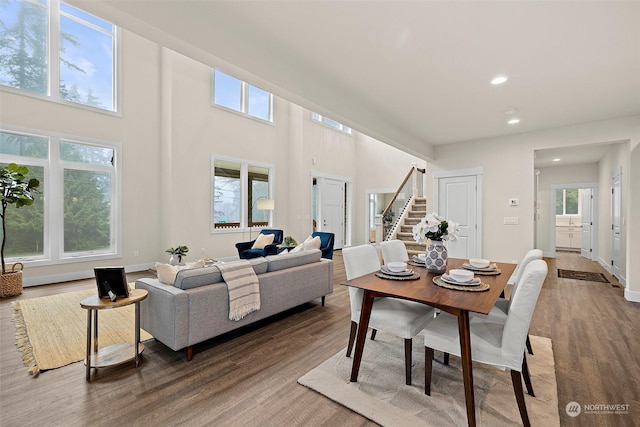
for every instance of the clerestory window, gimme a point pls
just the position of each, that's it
(237, 95)
(51, 49)
(331, 123)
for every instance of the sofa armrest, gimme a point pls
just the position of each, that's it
(165, 313)
(244, 246)
(271, 249)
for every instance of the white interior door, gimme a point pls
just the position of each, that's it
(615, 228)
(587, 223)
(331, 216)
(458, 202)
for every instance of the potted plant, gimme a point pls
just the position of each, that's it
(289, 242)
(16, 190)
(176, 254)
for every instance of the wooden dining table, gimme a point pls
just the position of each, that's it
(423, 290)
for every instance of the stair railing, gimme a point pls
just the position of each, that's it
(396, 210)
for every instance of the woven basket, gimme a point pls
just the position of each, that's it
(11, 282)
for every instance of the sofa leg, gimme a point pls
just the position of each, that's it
(189, 353)
(323, 300)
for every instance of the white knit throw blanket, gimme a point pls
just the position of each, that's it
(243, 286)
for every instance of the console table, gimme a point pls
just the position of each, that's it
(117, 353)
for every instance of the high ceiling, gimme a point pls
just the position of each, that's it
(414, 74)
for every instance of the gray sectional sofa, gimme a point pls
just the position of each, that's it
(196, 307)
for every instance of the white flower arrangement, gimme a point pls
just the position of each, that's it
(435, 227)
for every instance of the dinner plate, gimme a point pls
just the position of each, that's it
(418, 260)
(385, 270)
(473, 282)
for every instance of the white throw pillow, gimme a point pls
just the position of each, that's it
(284, 252)
(167, 272)
(263, 240)
(312, 243)
(298, 248)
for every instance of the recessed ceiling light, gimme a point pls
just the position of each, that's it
(555, 160)
(513, 121)
(498, 80)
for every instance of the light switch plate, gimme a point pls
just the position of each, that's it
(511, 220)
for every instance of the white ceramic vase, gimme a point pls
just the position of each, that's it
(436, 261)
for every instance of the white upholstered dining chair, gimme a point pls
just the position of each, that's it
(498, 344)
(404, 319)
(394, 250)
(499, 312)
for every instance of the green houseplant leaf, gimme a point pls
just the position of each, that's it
(16, 190)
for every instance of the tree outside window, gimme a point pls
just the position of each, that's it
(83, 53)
(237, 187)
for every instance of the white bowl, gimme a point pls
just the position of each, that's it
(479, 262)
(461, 275)
(397, 267)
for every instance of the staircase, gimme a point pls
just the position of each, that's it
(417, 211)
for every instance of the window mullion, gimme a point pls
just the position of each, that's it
(244, 95)
(54, 48)
(244, 195)
(54, 221)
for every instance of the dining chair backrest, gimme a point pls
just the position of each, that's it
(531, 255)
(394, 250)
(523, 303)
(358, 261)
(528, 257)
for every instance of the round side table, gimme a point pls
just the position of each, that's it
(117, 353)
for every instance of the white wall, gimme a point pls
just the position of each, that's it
(508, 165)
(617, 158)
(138, 132)
(632, 291)
(169, 130)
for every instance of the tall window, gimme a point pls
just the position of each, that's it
(331, 123)
(568, 201)
(81, 52)
(232, 93)
(237, 188)
(74, 214)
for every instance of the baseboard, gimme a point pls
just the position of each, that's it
(633, 296)
(604, 264)
(77, 275)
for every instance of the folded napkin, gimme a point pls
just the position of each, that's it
(385, 270)
(473, 282)
(492, 267)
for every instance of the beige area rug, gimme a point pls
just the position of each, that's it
(51, 331)
(382, 396)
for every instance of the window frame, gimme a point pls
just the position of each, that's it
(53, 190)
(326, 121)
(245, 223)
(53, 65)
(244, 98)
(564, 202)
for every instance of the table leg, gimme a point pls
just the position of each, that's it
(137, 308)
(467, 370)
(365, 314)
(95, 331)
(88, 360)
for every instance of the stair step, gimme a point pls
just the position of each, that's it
(411, 221)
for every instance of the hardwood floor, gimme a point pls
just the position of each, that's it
(249, 377)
